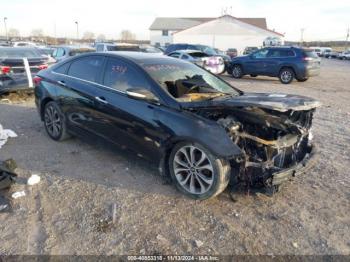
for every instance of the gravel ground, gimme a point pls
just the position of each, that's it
(70, 210)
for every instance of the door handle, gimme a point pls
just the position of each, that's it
(101, 100)
(61, 83)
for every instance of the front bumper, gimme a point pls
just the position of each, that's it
(303, 166)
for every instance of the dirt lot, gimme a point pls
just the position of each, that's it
(70, 211)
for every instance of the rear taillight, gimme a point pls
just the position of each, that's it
(41, 67)
(37, 80)
(307, 58)
(5, 69)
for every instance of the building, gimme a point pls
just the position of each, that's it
(223, 32)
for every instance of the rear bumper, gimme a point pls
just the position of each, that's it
(313, 71)
(14, 83)
(307, 163)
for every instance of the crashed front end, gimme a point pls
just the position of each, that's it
(276, 143)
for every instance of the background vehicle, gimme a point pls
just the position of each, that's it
(250, 49)
(232, 52)
(317, 50)
(13, 75)
(106, 47)
(203, 48)
(286, 63)
(344, 55)
(214, 64)
(324, 51)
(332, 54)
(62, 52)
(133, 99)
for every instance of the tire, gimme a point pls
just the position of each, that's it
(303, 79)
(253, 75)
(55, 122)
(201, 179)
(237, 71)
(286, 75)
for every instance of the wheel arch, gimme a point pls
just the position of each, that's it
(43, 103)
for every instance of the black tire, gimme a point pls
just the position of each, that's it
(220, 176)
(286, 75)
(55, 122)
(253, 75)
(237, 71)
(303, 79)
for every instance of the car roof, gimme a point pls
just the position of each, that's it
(140, 57)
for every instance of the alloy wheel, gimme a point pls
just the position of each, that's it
(53, 121)
(236, 72)
(193, 170)
(286, 76)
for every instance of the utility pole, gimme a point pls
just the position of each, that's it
(7, 36)
(302, 36)
(76, 22)
(347, 39)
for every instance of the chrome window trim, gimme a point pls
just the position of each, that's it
(90, 82)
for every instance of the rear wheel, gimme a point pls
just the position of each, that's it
(196, 172)
(237, 71)
(55, 122)
(286, 75)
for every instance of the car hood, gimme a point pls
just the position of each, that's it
(274, 101)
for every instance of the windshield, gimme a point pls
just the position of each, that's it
(207, 49)
(18, 53)
(187, 82)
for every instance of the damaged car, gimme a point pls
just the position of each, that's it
(200, 130)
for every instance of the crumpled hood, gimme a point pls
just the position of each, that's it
(274, 101)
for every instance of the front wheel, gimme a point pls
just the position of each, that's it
(286, 75)
(198, 173)
(237, 71)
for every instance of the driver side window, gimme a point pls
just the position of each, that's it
(261, 53)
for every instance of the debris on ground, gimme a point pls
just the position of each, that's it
(34, 179)
(5, 134)
(198, 243)
(18, 194)
(16, 97)
(7, 174)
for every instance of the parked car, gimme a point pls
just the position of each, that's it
(214, 64)
(344, 55)
(232, 52)
(327, 53)
(317, 50)
(286, 63)
(332, 54)
(250, 49)
(13, 74)
(107, 47)
(197, 128)
(63, 52)
(203, 48)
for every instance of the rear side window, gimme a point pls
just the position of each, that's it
(60, 52)
(280, 53)
(122, 76)
(62, 69)
(86, 68)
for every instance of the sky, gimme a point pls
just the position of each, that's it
(322, 20)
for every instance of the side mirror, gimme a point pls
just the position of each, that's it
(142, 94)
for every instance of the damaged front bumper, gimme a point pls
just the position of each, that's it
(303, 166)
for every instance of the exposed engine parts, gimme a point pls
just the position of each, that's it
(270, 141)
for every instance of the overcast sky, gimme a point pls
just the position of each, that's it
(322, 19)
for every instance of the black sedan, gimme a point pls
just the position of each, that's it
(199, 129)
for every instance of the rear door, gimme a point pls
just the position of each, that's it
(76, 93)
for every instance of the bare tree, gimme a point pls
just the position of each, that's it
(37, 32)
(127, 35)
(101, 37)
(88, 35)
(13, 32)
